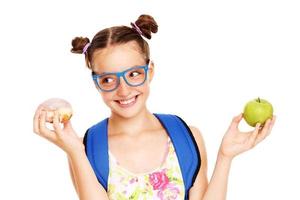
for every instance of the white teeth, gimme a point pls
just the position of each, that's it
(127, 101)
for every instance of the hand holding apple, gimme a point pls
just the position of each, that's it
(257, 111)
(236, 142)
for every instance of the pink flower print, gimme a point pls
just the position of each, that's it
(159, 180)
(169, 193)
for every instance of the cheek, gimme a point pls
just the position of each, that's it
(106, 96)
(145, 89)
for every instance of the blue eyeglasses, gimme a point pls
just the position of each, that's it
(109, 81)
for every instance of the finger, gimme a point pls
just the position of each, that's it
(44, 131)
(68, 125)
(69, 129)
(235, 121)
(254, 135)
(269, 130)
(56, 124)
(266, 130)
(273, 120)
(36, 119)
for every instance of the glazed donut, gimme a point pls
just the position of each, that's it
(57, 104)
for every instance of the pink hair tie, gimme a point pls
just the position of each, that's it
(86, 47)
(135, 27)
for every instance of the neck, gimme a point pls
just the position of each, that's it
(131, 126)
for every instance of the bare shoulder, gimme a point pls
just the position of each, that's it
(197, 135)
(200, 143)
(200, 185)
(81, 138)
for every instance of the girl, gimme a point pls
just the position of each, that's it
(119, 59)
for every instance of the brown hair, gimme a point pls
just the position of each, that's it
(117, 35)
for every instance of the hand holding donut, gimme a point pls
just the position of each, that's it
(57, 111)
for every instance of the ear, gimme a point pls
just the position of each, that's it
(151, 70)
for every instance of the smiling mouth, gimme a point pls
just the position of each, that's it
(128, 102)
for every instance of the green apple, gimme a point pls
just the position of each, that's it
(257, 111)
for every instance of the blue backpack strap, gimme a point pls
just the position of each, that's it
(185, 146)
(96, 148)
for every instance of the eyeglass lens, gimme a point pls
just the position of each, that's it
(133, 77)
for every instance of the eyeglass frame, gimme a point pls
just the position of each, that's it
(119, 75)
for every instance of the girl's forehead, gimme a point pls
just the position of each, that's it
(117, 58)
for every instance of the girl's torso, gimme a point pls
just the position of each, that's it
(144, 167)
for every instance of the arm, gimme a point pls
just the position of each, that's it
(84, 178)
(234, 142)
(201, 182)
(217, 187)
(72, 175)
(75, 180)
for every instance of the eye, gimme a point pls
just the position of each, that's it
(107, 80)
(134, 74)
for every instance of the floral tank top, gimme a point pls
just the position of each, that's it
(163, 183)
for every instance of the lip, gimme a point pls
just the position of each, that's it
(128, 105)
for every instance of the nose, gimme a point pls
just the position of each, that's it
(123, 89)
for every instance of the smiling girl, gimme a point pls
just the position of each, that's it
(134, 153)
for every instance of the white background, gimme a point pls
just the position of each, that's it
(211, 58)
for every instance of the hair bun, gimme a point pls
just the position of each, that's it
(147, 25)
(78, 44)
